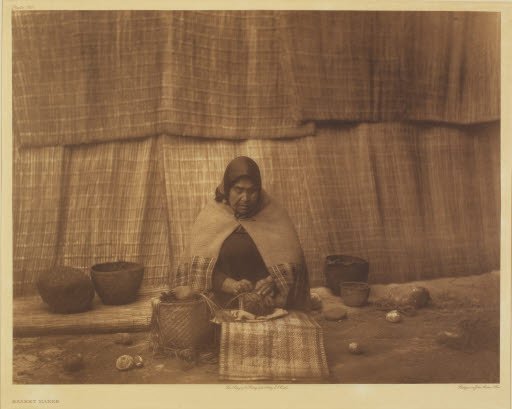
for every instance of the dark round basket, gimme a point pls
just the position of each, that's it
(339, 269)
(66, 289)
(118, 282)
(354, 294)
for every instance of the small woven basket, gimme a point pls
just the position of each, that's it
(180, 325)
(118, 282)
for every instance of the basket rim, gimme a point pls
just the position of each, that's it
(350, 285)
(345, 257)
(182, 302)
(129, 267)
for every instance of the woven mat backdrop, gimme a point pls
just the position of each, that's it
(124, 121)
(90, 76)
(418, 201)
(374, 66)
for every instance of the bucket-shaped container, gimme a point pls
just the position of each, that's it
(117, 282)
(180, 325)
(354, 293)
(340, 268)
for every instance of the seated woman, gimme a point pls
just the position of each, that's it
(243, 241)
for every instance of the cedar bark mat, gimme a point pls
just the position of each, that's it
(107, 75)
(32, 317)
(288, 348)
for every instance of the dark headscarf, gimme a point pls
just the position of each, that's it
(237, 168)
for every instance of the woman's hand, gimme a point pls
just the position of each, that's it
(244, 286)
(265, 286)
(235, 287)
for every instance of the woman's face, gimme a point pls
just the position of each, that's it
(243, 196)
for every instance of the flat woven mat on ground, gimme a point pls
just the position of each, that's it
(287, 348)
(32, 317)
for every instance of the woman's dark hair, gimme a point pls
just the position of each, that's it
(240, 167)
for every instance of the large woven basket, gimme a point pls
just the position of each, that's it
(118, 282)
(66, 289)
(340, 268)
(181, 325)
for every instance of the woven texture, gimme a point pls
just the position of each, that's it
(126, 74)
(286, 348)
(195, 272)
(85, 205)
(382, 66)
(417, 202)
(31, 317)
(91, 76)
(38, 178)
(66, 290)
(273, 234)
(180, 325)
(117, 283)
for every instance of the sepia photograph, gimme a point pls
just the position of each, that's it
(255, 197)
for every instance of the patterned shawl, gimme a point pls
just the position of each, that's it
(274, 235)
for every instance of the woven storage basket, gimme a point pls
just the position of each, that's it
(180, 325)
(340, 268)
(66, 289)
(354, 294)
(118, 282)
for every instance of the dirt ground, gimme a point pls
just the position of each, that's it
(405, 352)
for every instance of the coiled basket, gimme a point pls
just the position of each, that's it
(118, 282)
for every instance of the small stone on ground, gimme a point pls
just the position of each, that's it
(335, 313)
